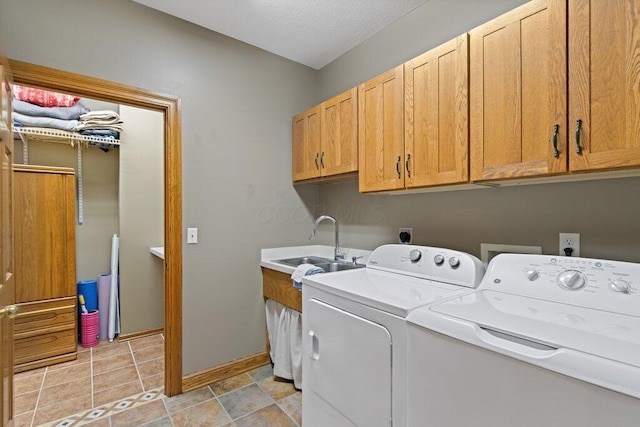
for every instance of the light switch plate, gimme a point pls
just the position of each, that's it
(192, 235)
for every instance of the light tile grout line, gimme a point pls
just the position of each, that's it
(135, 363)
(35, 409)
(91, 377)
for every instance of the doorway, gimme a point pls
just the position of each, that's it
(89, 87)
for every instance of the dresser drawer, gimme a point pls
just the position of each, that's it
(34, 316)
(54, 341)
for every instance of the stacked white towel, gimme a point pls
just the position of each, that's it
(100, 120)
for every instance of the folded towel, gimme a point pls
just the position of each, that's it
(62, 113)
(88, 125)
(304, 270)
(43, 98)
(107, 116)
(45, 122)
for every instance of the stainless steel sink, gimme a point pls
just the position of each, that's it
(327, 264)
(338, 266)
(294, 262)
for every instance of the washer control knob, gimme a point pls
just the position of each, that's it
(619, 285)
(532, 275)
(415, 255)
(572, 280)
(438, 259)
(454, 262)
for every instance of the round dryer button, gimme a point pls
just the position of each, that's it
(438, 259)
(415, 255)
(454, 262)
(532, 275)
(571, 280)
(619, 285)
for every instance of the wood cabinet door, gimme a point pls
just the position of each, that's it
(436, 116)
(381, 132)
(306, 144)
(7, 277)
(518, 93)
(339, 134)
(604, 84)
(44, 233)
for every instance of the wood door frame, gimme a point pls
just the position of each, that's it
(90, 87)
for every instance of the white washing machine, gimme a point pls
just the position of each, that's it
(543, 341)
(354, 329)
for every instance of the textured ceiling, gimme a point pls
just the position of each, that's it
(311, 32)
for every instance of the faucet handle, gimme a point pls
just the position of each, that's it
(354, 259)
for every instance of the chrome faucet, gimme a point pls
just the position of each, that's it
(336, 254)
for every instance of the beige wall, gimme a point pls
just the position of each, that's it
(604, 212)
(237, 104)
(141, 219)
(100, 190)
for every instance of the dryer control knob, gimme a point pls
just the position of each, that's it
(571, 280)
(621, 286)
(532, 275)
(438, 259)
(454, 262)
(415, 255)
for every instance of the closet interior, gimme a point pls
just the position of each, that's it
(77, 185)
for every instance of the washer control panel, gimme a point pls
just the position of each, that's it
(594, 283)
(426, 262)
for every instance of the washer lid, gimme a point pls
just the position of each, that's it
(599, 333)
(389, 292)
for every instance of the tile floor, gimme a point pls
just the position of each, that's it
(126, 390)
(99, 376)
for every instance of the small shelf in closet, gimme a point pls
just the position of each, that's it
(26, 134)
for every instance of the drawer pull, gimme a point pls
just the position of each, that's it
(556, 128)
(578, 146)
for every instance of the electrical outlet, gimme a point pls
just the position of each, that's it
(192, 235)
(405, 235)
(569, 242)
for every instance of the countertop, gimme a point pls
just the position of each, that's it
(267, 256)
(158, 251)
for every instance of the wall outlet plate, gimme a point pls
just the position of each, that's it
(569, 241)
(405, 235)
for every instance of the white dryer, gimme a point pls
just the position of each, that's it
(354, 347)
(543, 341)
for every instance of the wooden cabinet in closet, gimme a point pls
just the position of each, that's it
(45, 268)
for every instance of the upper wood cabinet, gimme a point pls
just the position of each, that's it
(520, 89)
(325, 138)
(339, 134)
(381, 132)
(306, 144)
(518, 93)
(436, 117)
(604, 84)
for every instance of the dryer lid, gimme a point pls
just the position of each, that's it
(599, 333)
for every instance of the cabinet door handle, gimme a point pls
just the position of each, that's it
(316, 160)
(578, 146)
(322, 159)
(398, 166)
(406, 165)
(556, 128)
